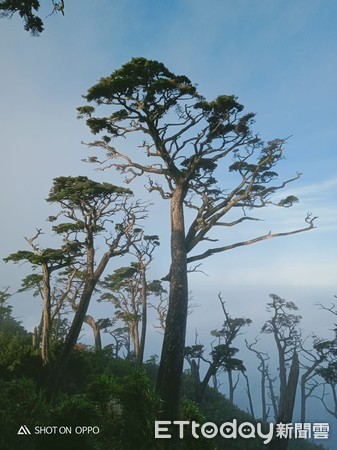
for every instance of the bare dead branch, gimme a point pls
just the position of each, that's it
(310, 220)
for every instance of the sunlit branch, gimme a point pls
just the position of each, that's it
(207, 253)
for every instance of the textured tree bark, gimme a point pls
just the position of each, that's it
(273, 397)
(231, 386)
(73, 333)
(303, 384)
(144, 317)
(282, 370)
(204, 383)
(287, 406)
(250, 400)
(97, 332)
(76, 326)
(263, 394)
(135, 338)
(196, 383)
(172, 357)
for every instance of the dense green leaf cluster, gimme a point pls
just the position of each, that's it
(27, 9)
(81, 190)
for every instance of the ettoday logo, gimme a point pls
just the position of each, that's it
(246, 430)
(227, 430)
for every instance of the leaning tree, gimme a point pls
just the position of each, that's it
(92, 211)
(198, 154)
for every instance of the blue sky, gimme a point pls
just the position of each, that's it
(278, 56)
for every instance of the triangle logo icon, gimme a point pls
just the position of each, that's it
(23, 430)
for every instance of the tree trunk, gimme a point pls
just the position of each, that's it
(73, 333)
(97, 332)
(303, 397)
(144, 316)
(250, 400)
(197, 386)
(282, 370)
(172, 356)
(287, 406)
(304, 380)
(273, 397)
(203, 385)
(35, 342)
(263, 393)
(231, 386)
(38, 333)
(76, 326)
(46, 315)
(134, 331)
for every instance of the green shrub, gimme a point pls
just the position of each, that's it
(21, 404)
(128, 407)
(70, 411)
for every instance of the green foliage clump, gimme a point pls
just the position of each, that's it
(127, 407)
(27, 9)
(71, 411)
(190, 412)
(78, 191)
(18, 358)
(22, 403)
(8, 324)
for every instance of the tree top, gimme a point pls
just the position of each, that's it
(81, 188)
(142, 78)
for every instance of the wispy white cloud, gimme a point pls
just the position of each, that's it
(317, 189)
